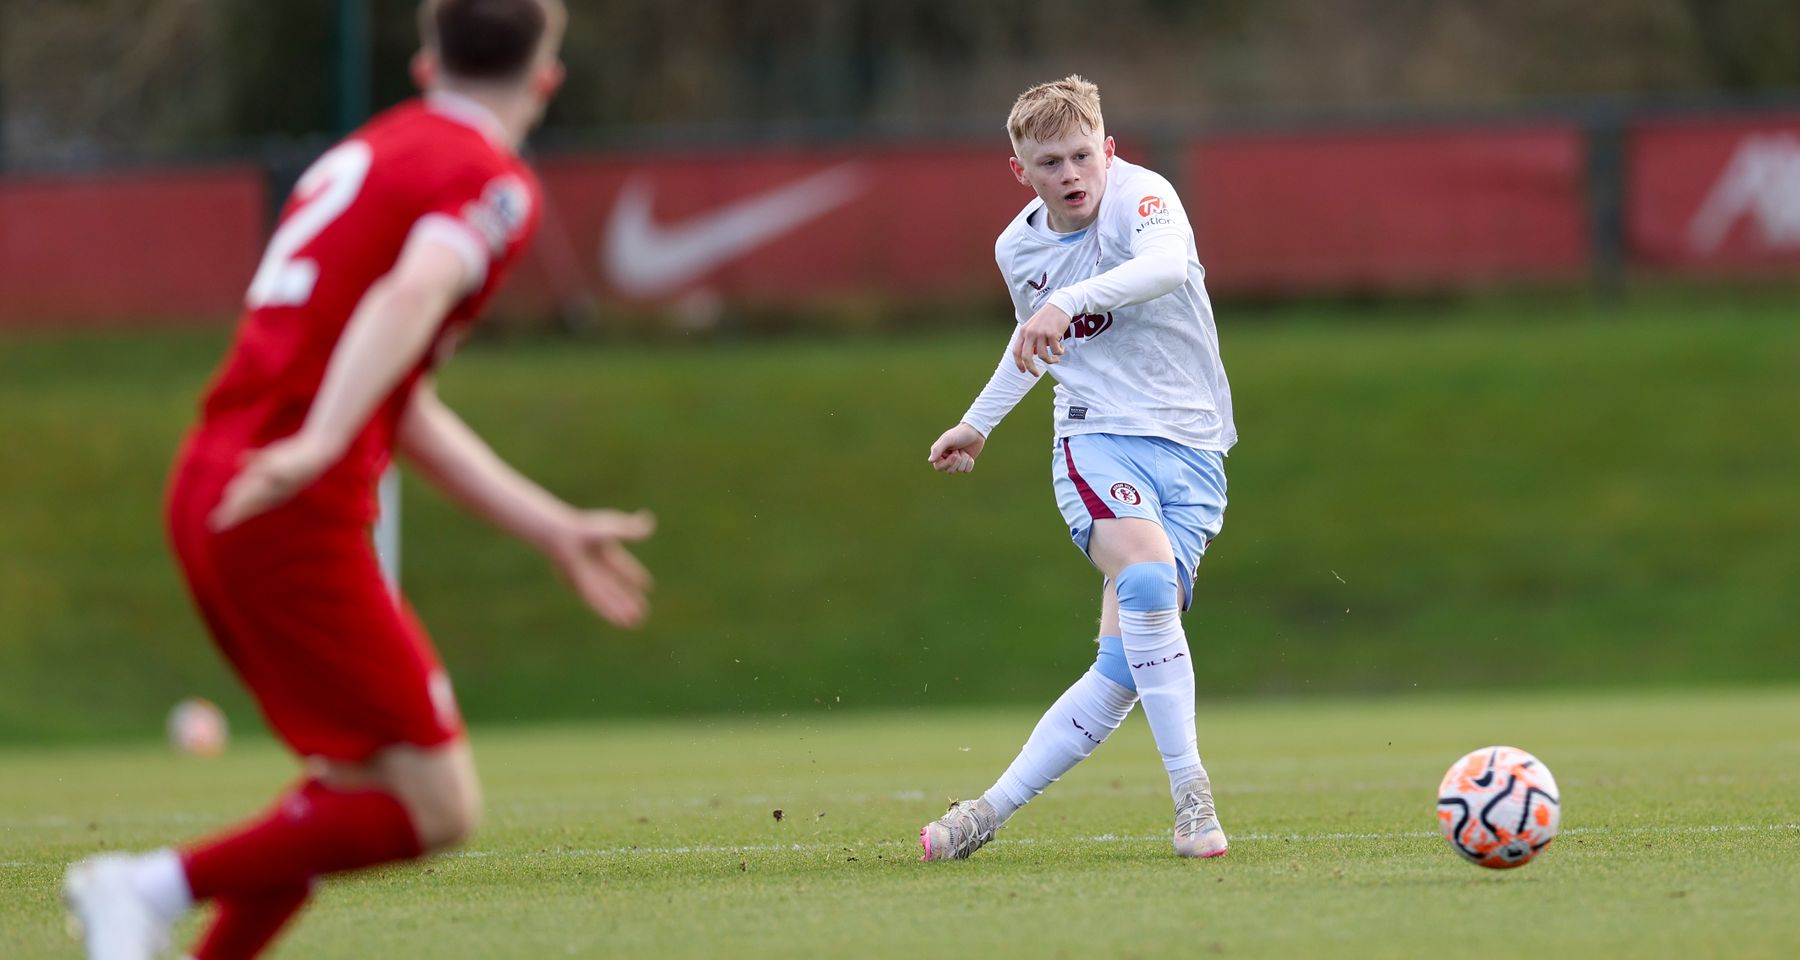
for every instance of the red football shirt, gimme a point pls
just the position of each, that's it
(439, 166)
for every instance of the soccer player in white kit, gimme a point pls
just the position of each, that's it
(1109, 297)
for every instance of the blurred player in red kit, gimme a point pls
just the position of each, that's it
(388, 249)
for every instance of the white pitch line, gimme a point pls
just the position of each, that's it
(57, 821)
(1104, 838)
(1093, 789)
(612, 804)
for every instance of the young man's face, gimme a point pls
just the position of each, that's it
(1069, 173)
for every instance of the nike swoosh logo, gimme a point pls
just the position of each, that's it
(643, 258)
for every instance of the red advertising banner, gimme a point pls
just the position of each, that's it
(1715, 195)
(777, 227)
(1379, 210)
(1434, 208)
(1305, 213)
(129, 248)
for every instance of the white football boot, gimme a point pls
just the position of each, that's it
(107, 913)
(962, 830)
(1197, 830)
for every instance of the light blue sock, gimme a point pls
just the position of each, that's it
(1111, 663)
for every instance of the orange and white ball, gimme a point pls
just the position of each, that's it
(1499, 807)
(197, 726)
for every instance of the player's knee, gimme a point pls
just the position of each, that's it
(1148, 586)
(462, 820)
(440, 793)
(446, 818)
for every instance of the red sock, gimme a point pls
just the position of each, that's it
(311, 832)
(243, 926)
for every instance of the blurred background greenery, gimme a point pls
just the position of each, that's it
(1587, 476)
(1500, 493)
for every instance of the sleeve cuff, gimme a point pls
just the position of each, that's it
(981, 425)
(458, 236)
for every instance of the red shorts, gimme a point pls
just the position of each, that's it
(296, 601)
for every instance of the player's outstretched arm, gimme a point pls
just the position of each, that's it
(386, 335)
(956, 449)
(586, 545)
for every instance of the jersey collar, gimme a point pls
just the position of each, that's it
(470, 113)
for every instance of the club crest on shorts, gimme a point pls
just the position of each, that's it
(1126, 493)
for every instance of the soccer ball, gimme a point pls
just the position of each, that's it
(197, 726)
(1498, 807)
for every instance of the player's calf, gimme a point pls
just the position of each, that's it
(1068, 733)
(1077, 723)
(1162, 666)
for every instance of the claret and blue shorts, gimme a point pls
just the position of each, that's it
(1102, 476)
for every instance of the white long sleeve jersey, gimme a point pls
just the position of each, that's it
(1141, 357)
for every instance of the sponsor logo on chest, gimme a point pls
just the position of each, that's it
(1088, 326)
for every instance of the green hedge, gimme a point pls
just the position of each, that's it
(1499, 494)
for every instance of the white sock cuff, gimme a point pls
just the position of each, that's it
(1108, 694)
(1184, 773)
(1146, 630)
(161, 880)
(1008, 794)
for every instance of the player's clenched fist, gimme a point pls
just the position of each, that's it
(589, 550)
(1041, 338)
(955, 451)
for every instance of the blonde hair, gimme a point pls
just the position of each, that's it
(1050, 110)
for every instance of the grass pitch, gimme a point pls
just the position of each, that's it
(1680, 837)
(1525, 492)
